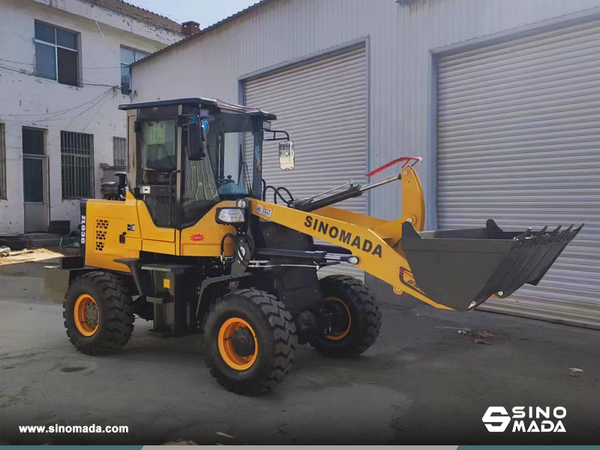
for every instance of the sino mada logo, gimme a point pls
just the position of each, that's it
(526, 419)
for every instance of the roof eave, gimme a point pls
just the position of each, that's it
(243, 12)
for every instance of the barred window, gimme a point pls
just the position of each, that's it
(77, 157)
(120, 152)
(2, 164)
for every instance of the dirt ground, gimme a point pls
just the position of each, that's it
(426, 381)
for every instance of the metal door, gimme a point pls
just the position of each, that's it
(35, 179)
(518, 138)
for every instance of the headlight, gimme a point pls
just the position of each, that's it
(231, 215)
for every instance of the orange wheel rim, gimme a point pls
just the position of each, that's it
(340, 334)
(86, 315)
(226, 347)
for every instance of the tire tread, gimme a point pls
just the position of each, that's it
(283, 336)
(368, 313)
(118, 306)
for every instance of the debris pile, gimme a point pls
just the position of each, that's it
(575, 372)
(479, 337)
(6, 251)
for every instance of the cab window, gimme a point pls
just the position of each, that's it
(158, 151)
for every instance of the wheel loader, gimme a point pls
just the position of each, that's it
(178, 242)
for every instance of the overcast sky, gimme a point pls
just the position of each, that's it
(206, 12)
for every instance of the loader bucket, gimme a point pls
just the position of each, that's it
(463, 268)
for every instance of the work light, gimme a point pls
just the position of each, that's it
(230, 216)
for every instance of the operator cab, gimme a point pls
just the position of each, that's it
(178, 151)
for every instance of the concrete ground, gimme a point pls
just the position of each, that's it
(422, 382)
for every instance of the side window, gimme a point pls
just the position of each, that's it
(56, 54)
(128, 56)
(158, 151)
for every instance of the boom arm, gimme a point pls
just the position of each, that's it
(374, 241)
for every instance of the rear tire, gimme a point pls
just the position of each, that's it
(266, 342)
(364, 321)
(98, 313)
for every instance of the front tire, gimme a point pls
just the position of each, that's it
(250, 341)
(98, 313)
(363, 321)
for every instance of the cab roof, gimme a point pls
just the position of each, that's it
(206, 102)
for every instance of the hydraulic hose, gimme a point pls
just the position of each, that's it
(242, 258)
(277, 193)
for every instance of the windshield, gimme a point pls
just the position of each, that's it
(202, 183)
(225, 135)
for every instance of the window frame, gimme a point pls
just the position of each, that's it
(56, 46)
(3, 184)
(128, 66)
(42, 132)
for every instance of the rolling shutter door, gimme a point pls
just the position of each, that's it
(519, 142)
(323, 105)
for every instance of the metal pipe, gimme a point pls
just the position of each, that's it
(353, 191)
(335, 198)
(370, 186)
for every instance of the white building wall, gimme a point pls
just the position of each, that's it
(26, 100)
(400, 43)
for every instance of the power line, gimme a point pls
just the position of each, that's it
(58, 113)
(31, 74)
(21, 71)
(70, 123)
(102, 98)
(104, 38)
(97, 111)
(85, 82)
(48, 65)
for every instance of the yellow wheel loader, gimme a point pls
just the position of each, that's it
(179, 242)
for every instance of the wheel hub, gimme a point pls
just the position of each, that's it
(339, 317)
(86, 315)
(91, 314)
(243, 342)
(237, 343)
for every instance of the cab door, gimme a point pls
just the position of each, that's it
(157, 177)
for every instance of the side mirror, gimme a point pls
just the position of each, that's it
(287, 155)
(196, 136)
(196, 142)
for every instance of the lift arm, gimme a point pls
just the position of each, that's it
(372, 240)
